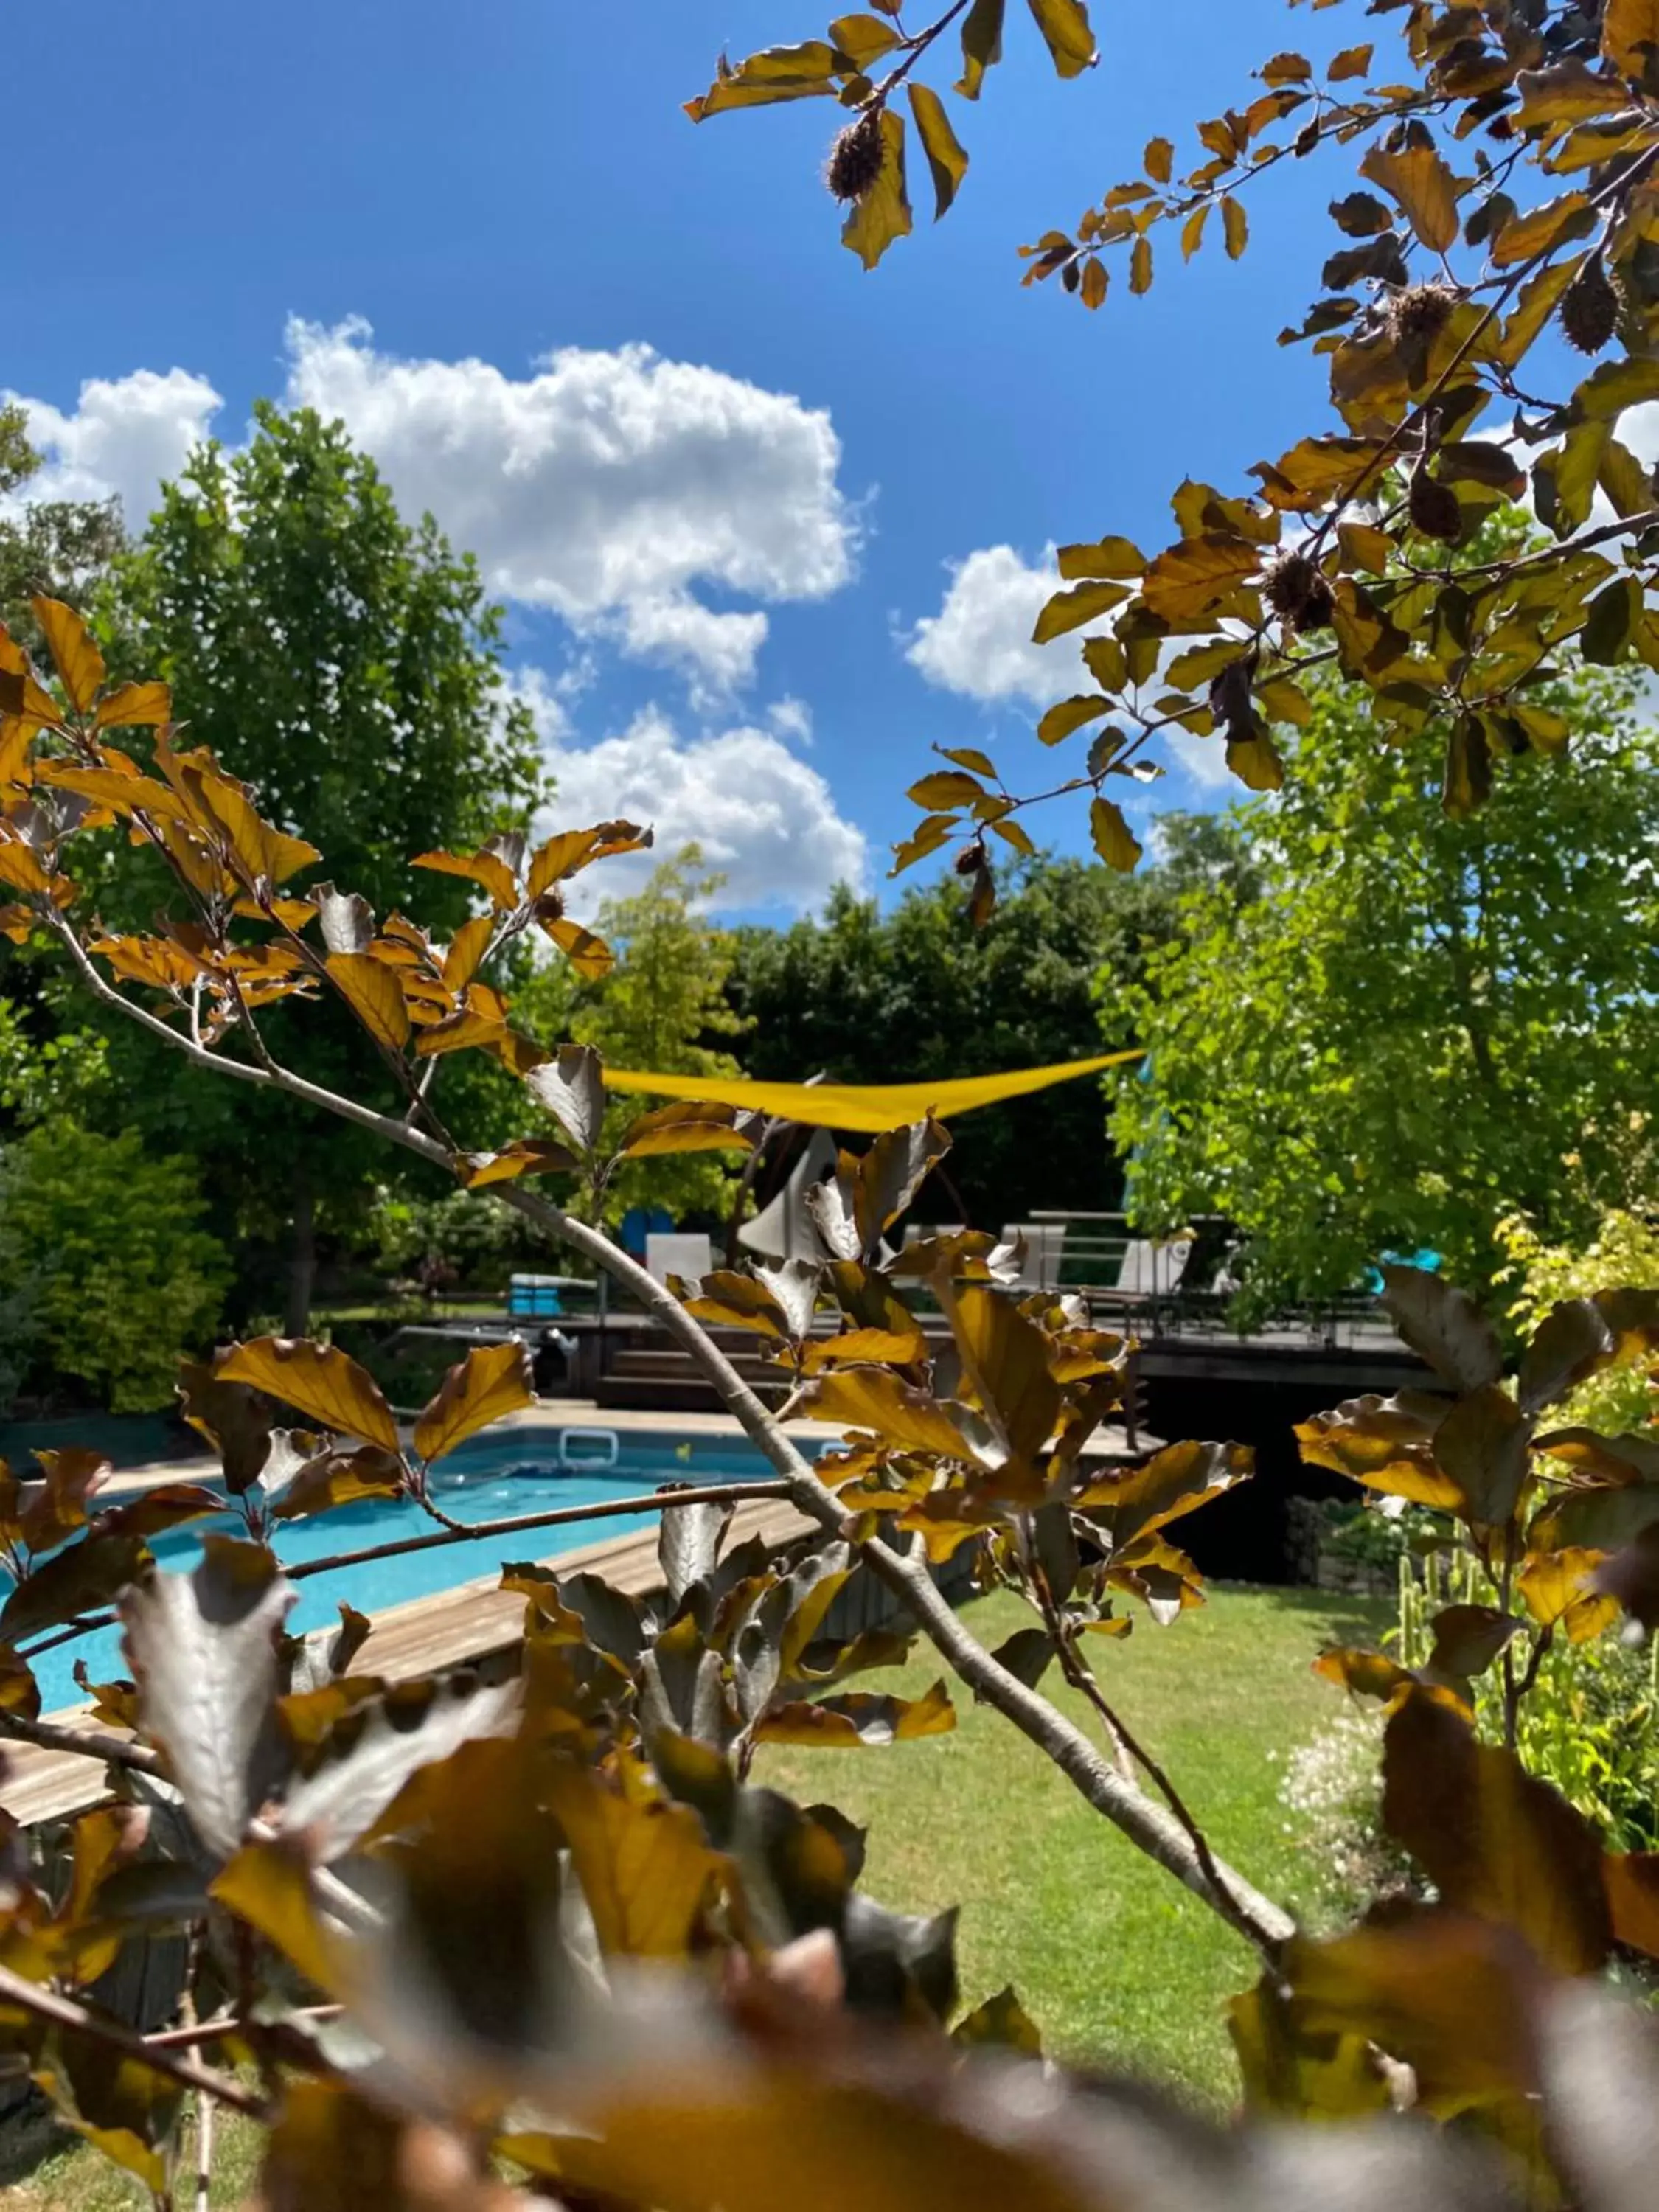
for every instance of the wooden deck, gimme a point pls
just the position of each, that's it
(448, 1629)
(472, 1621)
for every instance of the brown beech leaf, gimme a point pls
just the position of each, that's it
(1600, 1516)
(571, 1085)
(341, 1800)
(488, 1384)
(1495, 1842)
(466, 949)
(893, 1170)
(1557, 1590)
(80, 665)
(56, 1507)
(1443, 1993)
(691, 1125)
(525, 1156)
(1001, 2023)
(874, 1398)
(482, 867)
(19, 1691)
(644, 1867)
(147, 706)
(1631, 1881)
(1630, 34)
(335, 1478)
(1175, 1482)
(233, 1417)
(203, 1650)
(729, 1300)
(315, 1379)
(1300, 2072)
(165, 1505)
(1444, 1325)
(332, 2150)
(859, 1717)
(590, 955)
(374, 994)
(1571, 1342)
(1421, 184)
(1595, 1458)
(78, 1579)
(869, 1347)
(1006, 1358)
(1368, 1673)
(1065, 27)
(345, 918)
(1482, 1445)
(1468, 1638)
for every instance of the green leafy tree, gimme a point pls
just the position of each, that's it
(1400, 1041)
(63, 547)
(864, 997)
(662, 1007)
(124, 1280)
(347, 664)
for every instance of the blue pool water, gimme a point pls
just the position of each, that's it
(483, 1481)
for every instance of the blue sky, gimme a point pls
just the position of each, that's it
(460, 229)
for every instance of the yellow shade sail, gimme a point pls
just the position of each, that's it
(868, 1107)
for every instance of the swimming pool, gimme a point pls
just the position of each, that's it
(530, 1470)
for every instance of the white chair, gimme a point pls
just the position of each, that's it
(1151, 1270)
(677, 1253)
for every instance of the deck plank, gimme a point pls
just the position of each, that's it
(447, 1629)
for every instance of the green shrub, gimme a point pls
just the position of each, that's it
(1588, 1726)
(126, 1279)
(1626, 1251)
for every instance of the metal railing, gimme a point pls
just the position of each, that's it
(1182, 1286)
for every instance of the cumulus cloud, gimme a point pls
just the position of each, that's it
(607, 486)
(126, 435)
(764, 819)
(979, 643)
(791, 718)
(1205, 759)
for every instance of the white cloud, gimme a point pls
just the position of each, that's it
(716, 652)
(764, 820)
(607, 486)
(1205, 759)
(979, 643)
(793, 719)
(126, 435)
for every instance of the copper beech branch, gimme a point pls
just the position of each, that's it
(189, 2073)
(1148, 1824)
(473, 1532)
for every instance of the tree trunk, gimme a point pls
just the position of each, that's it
(302, 1256)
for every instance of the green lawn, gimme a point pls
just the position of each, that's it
(1117, 1965)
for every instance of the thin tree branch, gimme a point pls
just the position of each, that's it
(83, 1743)
(230, 2023)
(464, 1532)
(190, 2073)
(715, 1494)
(1081, 1676)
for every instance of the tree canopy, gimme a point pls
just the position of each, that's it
(349, 664)
(862, 996)
(1421, 1021)
(661, 1007)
